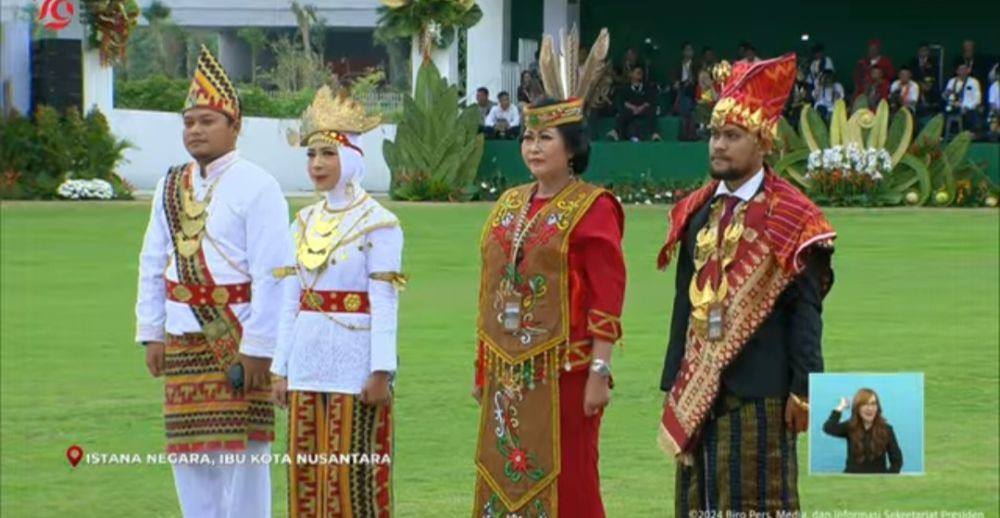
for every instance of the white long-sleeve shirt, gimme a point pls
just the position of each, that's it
(511, 115)
(247, 219)
(909, 93)
(969, 97)
(316, 351)
(828, 95)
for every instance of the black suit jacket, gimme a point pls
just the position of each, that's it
(785, 348)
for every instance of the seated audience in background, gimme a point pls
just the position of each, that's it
(685, 79)
(819, 65)
(527, 90)
(827, 92)
(994, 110)
(748, 52)
(930, 102)
(623, 72)
(874, 58)
(504, 120)
(871, 442)
(706, 95)
(636, 110)
(978, 67)
(533, 66)
(800, 96)
(484, 104)
(876, 88)
(708, 58)
(923, 65)
(904, 92)
(963, 98)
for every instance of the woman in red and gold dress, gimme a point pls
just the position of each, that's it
(551, 293)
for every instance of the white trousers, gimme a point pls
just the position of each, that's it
(226, 490)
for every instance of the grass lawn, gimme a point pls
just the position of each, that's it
(917, 290)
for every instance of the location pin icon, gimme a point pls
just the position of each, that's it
(74, 454)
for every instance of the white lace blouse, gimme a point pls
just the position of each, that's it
(336, 352)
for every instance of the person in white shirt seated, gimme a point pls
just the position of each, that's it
(336, 353)
(904, 92)
(963, 96)
(827, 92)
(820, 65)
(994, 110)
(503, 121)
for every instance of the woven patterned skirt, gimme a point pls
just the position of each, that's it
(340, 450)
(203, 413)
(745, 460)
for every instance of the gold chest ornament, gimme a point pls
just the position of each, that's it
(193, 217)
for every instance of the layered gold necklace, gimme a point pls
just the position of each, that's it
(321, 235)
(706, 302)
(193, 216)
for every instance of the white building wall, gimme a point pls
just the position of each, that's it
(158, 146)
(486, 50)
(555, 17)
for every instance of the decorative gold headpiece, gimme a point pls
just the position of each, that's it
(564, 81)
(331, 116)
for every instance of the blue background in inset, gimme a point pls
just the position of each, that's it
(902, 398)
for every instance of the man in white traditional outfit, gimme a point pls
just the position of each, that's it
(337, 335)
(205, 314)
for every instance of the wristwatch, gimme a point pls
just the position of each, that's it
(600, 367)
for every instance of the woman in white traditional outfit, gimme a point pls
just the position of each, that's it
(336, 352)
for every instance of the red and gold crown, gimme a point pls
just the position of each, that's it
(211, 87)
(754, 94)
(565, 81)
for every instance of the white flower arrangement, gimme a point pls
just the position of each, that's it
(74, 189)
(872, 162)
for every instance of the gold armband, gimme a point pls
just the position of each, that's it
(397, 279)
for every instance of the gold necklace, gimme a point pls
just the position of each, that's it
(314, 251)
(707, 248)
(193, 216)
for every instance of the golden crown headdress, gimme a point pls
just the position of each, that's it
(331, 116)
(563, 79)
(211, 87)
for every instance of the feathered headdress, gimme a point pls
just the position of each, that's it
(564, 80)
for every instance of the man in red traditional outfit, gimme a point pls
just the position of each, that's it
(752, 271)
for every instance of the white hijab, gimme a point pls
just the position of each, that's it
(352, 171)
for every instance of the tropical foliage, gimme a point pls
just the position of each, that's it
(39, 155)
(438, 147)
(865, 159)
(436, 22)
